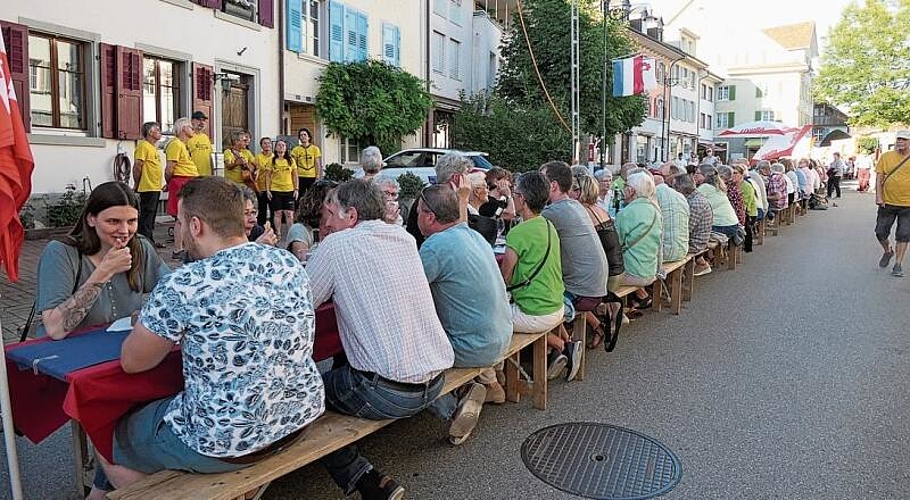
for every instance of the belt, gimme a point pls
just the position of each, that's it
(268, 450)
(401, 385)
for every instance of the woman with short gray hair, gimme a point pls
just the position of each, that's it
(389, 187)
(639, 226)
(709, 184)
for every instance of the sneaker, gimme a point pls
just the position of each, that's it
(556, 363)
(574, 354)
(468, 412)
(897, 271)
(495, 394)
(702, 270)
(375, 485)
(625, 319)
(886, 259)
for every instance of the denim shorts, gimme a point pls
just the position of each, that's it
(144, 442)
(568, 301)
(885, 220)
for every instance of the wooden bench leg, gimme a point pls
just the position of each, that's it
(690, 280)
(540, 373)
(676, 289)
(82, 458)
(657, 293)
(760, 240)
(513, 377)
(579, 332)
(731, 256)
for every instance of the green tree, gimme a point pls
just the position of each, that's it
(866, 67)
(372, 102)
(518, 137)
(547, 23)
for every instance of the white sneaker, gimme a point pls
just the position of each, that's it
(701, 271)
(574, 353)
(465, 418)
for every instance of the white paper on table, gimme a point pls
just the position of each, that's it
(121, 325)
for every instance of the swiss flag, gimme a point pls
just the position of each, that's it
(16, 165)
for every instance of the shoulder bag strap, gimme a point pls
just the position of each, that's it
(895, 169)
(594, 213)
(31, 315)
(546, 255)
(642, 236)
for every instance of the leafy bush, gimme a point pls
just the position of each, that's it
(867, 145)
(372, 102)
(337, 172)
(66, 211)
(27, 216)
(409, 186)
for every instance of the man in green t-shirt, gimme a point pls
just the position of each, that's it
(532, 268)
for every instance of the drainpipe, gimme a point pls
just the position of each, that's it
(281, 45)
(428, 132)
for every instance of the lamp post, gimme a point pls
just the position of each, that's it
(668, 82)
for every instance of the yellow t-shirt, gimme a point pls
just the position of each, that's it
(176, 151)
(282, 172)
(264, 162)
(235, 175)
(200, 148)
(306, 159)
(152, 174)
(897, 186)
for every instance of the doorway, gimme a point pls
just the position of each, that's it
(235, 111)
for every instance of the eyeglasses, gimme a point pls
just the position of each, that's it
(392, 195)
(426, 203)
(250, 213)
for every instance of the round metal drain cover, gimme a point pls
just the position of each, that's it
(601, 461)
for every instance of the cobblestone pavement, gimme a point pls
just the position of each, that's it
(16, 299)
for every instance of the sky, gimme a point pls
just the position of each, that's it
(764, 13)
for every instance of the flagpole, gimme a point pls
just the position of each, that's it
(9, 433)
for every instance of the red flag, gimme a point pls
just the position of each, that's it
(16, 165)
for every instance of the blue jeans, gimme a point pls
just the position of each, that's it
(568, 301)
(728, 231)
(359, 394)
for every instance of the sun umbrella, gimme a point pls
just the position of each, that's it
(758, 128)
(792, 144)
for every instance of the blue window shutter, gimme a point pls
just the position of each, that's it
(350, 36)
(397, 47)
(388, 43)
(362, 30)
(293, 24)
(336, 32)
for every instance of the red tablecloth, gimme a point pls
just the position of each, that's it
(98, 396)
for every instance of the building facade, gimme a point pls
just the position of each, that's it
(318, 32)
(86, 82)
(827, 119)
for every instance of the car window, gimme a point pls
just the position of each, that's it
(481, 162)
(405, 160)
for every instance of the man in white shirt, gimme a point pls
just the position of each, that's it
(395, 344)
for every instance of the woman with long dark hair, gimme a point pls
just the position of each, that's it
(99, 272)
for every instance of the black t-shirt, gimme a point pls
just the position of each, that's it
(493, 207)
(256, 233)
(412, 226)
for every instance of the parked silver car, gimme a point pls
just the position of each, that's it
(422, 162)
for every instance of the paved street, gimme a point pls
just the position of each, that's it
(784, 379)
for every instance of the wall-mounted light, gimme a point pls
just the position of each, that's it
(227, 80)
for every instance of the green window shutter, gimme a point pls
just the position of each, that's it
(757, 92)
(730, 120)
(732, 92)
(757, 115)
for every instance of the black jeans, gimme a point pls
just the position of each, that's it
(833, 185)
(148, 208)
(264, 210)
(750, 228)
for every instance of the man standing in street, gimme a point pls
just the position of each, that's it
(179, 170)
(148, 177)
(200, 145)
(835, 174)
(892, 195)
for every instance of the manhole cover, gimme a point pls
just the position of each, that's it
(601, 461)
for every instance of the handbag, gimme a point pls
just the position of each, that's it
(536, 271)
(609, 239)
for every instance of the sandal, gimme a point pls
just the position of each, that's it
(597, 337)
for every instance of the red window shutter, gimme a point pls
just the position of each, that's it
(15, 37)
(203, 89)
(267, 13)
(108, 90)
(129, 93)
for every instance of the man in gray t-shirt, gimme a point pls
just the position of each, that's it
(584, 263)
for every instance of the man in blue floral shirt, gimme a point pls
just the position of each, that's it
(243, 315)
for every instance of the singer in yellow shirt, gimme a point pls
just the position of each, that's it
(308, 158)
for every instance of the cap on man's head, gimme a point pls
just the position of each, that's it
(903, 134)
(199, 115)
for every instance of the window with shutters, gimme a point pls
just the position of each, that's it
(57, 82)
(725, 120)
(310, 16)
(391, 44)
(348, 30)
(161, 93)
(454, 59)
(439, 52)
(723, 94)
(350, 150)
(244, 9)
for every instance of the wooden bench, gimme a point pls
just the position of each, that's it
(329, 433)
(674, 272)
(689, 278)
(760, 233)
(580, 329)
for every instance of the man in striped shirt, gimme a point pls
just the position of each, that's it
(395, 345)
